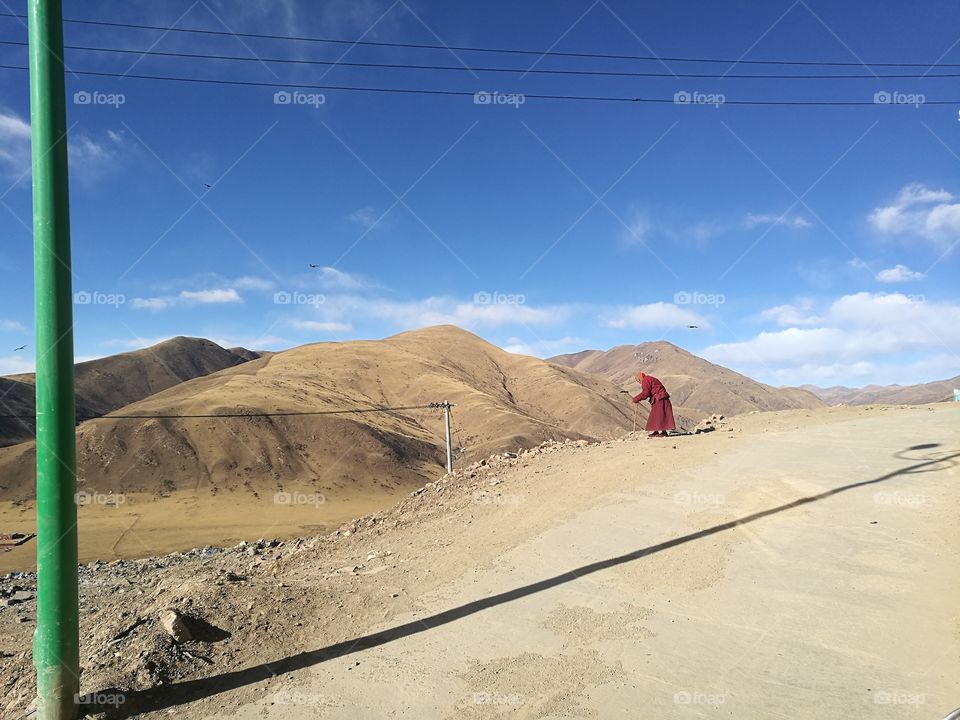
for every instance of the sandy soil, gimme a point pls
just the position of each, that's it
(802, 565)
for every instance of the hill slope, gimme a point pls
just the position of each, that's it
(16, 399)
(107, 384)
(503, 401)
(937, 391)
(697, 386)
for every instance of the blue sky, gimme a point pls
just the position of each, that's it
(808, 244)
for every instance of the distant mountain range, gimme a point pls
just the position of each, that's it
(931, 392)
(107, 384)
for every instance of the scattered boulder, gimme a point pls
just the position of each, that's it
(175, 625)
(708, 424)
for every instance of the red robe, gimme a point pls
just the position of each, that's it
(661, 410)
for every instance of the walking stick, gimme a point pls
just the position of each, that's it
(636, 410)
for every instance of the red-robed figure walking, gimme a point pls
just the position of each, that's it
(661, 410)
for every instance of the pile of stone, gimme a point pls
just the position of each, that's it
(709, 424)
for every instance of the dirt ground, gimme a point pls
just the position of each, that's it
(799, 564)
(141, 526)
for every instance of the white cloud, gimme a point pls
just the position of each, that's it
(866, 372)
(93, 158)
(702, 232)
(14, 144)
(16, 364)
(137, 343)
(333, 279)
(204, 280)
(641, 230)
(322, 326)
(544, 348)
(438, 310)
(156, 303)
(90, 157)
(216, 296)
(654, 315)
(793, 221)
(792, 315)
(441, 310)
(259, 342)
(899, 274)
(367, 217)
(638, 229)
(855, 333)
(262, 342)
(781, 346)
(212, 297)
(919, 211)
(251, 283)
(11, 326)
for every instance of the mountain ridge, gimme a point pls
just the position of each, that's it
(107, 384)
(695, 384)
(502, 402)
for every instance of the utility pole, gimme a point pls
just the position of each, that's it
(446, 415)
(56, 643)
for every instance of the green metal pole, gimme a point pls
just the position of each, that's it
(56, 644)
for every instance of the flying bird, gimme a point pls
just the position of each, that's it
(693, 327)
(207, 186)
(22, 347)
(314, 265)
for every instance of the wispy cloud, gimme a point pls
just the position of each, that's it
(11, 326)
(332, 279)
(797, 315)
(793, 221)
(544, 348)
(137, 343)
(91, 156)
(365, 217)
(198, 290)
(14, 144)
(251, 283)
(352, 309)
(212, 297)
(186, 298)
(322, 326)
(653, 315)
(920, 212)
(156, 303)
(642, 229)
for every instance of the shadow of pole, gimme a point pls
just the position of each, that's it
(168, 696)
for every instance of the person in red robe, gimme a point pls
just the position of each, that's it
(661, 410)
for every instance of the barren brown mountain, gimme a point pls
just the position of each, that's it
(107, 384)
(503, 401)
(16, 401)
(697, 387)
(931, 392)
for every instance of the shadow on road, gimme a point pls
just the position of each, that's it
(167, 696)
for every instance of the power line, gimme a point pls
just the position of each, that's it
(475, 69)
(478, 49)
(292, 413)
(467, 93)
